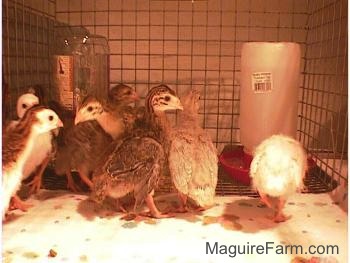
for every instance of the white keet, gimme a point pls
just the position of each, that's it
(25, 102)
(18, 148)
(277, 170)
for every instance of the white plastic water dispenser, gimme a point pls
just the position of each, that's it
(270, 75)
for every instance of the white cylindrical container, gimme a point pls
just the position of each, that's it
(270, 75)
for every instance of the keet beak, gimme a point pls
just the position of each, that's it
(59, 123)
(135, 97)
(77, 119)
(176, 103)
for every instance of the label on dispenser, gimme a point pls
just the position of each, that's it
(63, 79)
(262, 82)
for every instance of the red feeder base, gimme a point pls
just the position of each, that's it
(237, 163)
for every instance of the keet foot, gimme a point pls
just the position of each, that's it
(280, 217)
(155, 213)
(17, 203)
(161, 215)
(181, 209)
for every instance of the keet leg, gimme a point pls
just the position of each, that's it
(183, 203)
(153, 209)
(279, 215)
(36, 182)
(120, 206)
(264, 198)
(84, 175)
(70, 183)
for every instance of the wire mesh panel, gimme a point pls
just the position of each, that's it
(323, 107)
(188, 44)
(197, 44)
(27, 36)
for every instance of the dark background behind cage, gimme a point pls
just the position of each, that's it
(197, 44)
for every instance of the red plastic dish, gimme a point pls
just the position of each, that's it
(237, 163)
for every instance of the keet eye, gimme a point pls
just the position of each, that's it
(50, 118)
(24, 106)
(167, 98)
(89, 109)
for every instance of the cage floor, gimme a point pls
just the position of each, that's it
(80, 231)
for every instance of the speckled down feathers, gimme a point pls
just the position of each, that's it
(279, 166)
(137, 162)
(193, 158)
(13, 144)
(133, 166)
(194, 166)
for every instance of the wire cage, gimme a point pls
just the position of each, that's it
(27, 34)
(197, 44)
